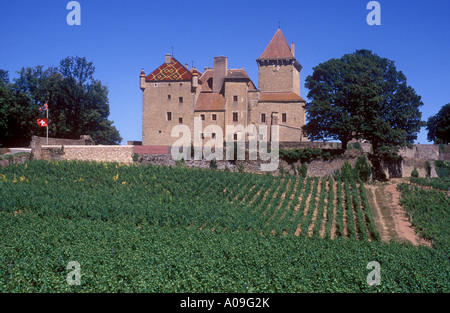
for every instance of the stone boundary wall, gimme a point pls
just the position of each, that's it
(119, 154)
(151, 149)
(37, 142)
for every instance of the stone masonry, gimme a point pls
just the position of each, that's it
(173, 95)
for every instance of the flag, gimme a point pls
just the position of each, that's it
(42, 122)
(44, 107)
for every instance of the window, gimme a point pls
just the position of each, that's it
(214, 117)
(235, 137)
(169, 116)
(202, 116)
(235, 116)
(263, 118)
(180, 100)
(169, 97)
(156, 85)
(235, 98)
(284, 117)
(213, 135)
(180, 120)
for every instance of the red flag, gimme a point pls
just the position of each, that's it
(42, 122)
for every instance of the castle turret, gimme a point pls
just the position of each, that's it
(142, 80)
(279, 70)
(194, 80)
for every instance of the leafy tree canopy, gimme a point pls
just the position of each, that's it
(362, 96)
(438, 126)
(78, 103)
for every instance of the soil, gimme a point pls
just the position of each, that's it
(389, 216)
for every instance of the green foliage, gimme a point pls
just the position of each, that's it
(302, 170)
(362, 96)
(414, 173)
(78, 104)
(438, 126)
(355, 145)
(437, 183)
(161, 229)
(428, 169)
(442, 168)
(362, 169)
(346, 173)
(304, 155)
(430, 211)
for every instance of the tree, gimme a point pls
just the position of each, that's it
(438, 126)
(15, 114)
(363, 96)
(78, 103)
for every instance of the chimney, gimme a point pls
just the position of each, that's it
(168, 58)
(220, 71)
(293, 49)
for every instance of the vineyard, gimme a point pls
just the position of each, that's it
(161, 229)
(429, 209)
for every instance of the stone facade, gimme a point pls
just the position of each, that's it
(174, 95)
(119, 154)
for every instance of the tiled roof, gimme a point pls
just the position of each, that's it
(278, 48)
(172, 71)
(238, 74)
(206, 80)
(280, 97)
(210, 101)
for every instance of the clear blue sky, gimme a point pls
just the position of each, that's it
(122, 37)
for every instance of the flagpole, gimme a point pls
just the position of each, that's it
(47, 123)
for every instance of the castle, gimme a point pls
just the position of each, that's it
(173, 94)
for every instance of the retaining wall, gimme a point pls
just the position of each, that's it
(120, 154)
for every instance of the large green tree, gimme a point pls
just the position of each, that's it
(438, 126)
(78, 103)
(363, 96)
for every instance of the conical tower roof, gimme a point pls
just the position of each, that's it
(278, 48)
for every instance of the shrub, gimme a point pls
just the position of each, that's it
(414, 173)
(362, 168)
(303, 155)
(442, 168)
(302, 170)
(428, 168)
(347, 173)
(355, 145)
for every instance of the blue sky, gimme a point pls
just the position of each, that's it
(122, 37)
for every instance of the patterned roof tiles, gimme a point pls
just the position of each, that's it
(172, 71)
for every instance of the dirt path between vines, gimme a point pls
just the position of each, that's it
(389, 216)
